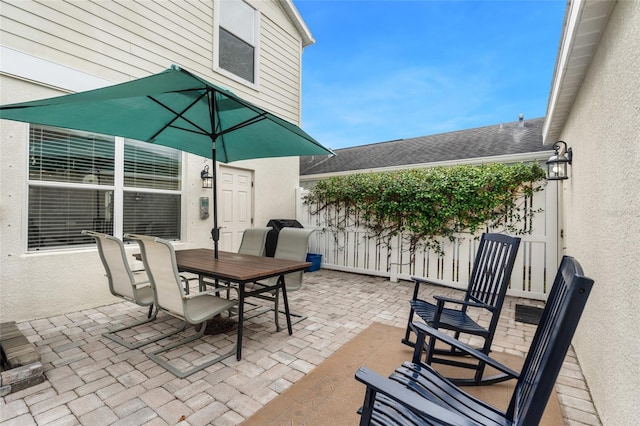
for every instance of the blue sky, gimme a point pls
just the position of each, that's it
(384, 70)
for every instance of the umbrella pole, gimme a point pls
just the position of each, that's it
(215, 232)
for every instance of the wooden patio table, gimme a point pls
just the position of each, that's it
(240, 269)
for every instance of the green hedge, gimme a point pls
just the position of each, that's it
(427, 204)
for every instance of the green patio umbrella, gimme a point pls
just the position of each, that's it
(178, 109)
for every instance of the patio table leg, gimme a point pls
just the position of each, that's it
(240, 319)
(286, 304)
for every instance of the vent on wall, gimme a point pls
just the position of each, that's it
(528, 314)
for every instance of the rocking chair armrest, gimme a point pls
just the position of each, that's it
(409, 399)
(444, 299)
(421, 280)
(422, 330)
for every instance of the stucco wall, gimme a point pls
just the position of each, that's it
(601, 204)
(276, 180)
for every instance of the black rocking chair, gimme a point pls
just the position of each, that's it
(415, 394)
(487, 288)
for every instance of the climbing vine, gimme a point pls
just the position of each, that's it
(425, 205)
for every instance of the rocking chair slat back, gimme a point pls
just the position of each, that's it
(559, 321)
(492, 266)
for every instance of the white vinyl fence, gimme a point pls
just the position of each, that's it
(353, 250)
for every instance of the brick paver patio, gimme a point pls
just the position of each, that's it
(92, 380)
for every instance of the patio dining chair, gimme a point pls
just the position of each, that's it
(122, 284)
(416, 394)
(253, 241)
(485, 292)
(293, 244)
(196, 308)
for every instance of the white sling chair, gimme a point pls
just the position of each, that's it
(122, 284)
(253, 241)
(196, 308)
(293, 244)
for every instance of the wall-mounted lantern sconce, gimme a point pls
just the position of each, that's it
(557, 163)
(207, 179)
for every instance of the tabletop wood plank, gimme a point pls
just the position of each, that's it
(233, 266)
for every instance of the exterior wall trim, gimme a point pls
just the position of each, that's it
(584, 24)
(28, 67)
(293, 14)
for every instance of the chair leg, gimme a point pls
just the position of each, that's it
(277, 311)
(111, 334)
(408, 331)
(366, 411)
(184, 373)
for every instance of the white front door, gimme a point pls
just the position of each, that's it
(235, 205)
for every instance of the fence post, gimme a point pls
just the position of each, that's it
(300, 210)
(393, 272)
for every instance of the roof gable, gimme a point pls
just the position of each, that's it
(502, 139)
(293, 14)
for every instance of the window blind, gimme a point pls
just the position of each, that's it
(152, 214)
(151, 166)
(57, 215)
(72, 186)
(71, 156)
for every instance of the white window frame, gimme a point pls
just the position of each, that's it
(256, 46)
(118, 189)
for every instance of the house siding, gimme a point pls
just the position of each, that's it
(280, 66)
(116, 41)
(106, 42)
(120, 41)
(601, 222)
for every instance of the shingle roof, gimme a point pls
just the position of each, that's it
(489, 141)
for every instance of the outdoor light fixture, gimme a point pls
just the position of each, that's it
(557, 163)
(207, 179)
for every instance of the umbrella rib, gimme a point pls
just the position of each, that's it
(186, 130)
(263, 115)
(243, 124)
(179, 115)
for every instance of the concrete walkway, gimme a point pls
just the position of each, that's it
(95, 381)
